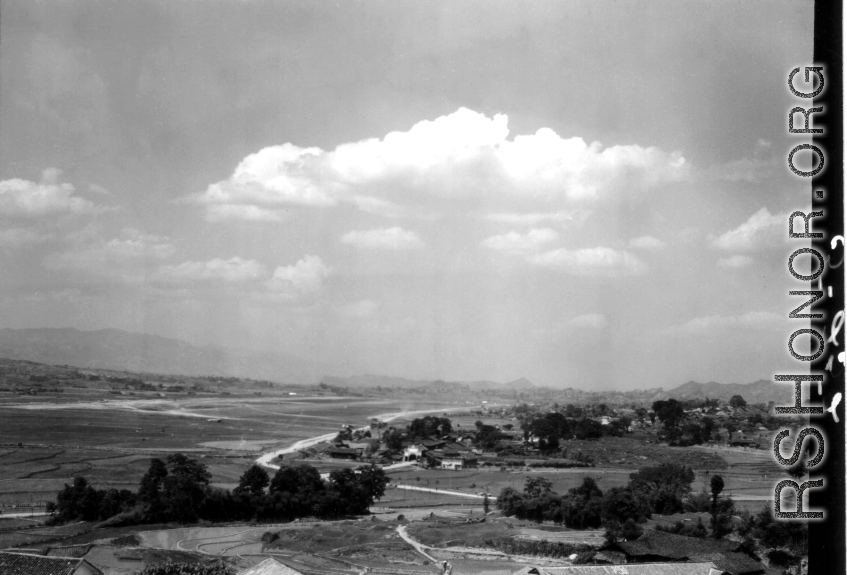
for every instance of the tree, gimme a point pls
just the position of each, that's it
(631, 530)
(183, 490)
(253, 481)
(663, 485)
(537, 487)
(708, 426)
(430, 425)
(302, 479)
(622, 503)
(716, 485)
(373, 481)
(737, 401)
(670, 412)
(393, 439)
(150, 491)
(588, 429)
(487, 436)
(169, 568)
(78, 501)
(721, 509)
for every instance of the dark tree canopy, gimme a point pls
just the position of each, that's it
(430, 425)
(178, 490)
(737, 401)
(670, 412)
(253, 481)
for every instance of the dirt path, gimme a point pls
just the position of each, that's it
(419, 547)
(443, 491)
(266, 458)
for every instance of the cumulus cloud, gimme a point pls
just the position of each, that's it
(589, 321)
(517, 243)
(395, 238)
(23, 198)
(233, 270)
(306, 276)
(760, 230)
(735, 262)
(462, 155)
(127, 257)
(646, 243)
(590, 262)
(751, 320)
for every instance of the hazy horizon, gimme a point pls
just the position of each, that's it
(588, 194)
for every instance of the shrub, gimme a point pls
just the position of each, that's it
(126, 541)
(782, 558)
(133, 517)
(188, 569)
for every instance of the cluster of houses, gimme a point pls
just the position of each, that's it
(454, 451)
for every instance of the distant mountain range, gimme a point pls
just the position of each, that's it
(121, 350)
(371, 381)
(124, 351)
(761, 391)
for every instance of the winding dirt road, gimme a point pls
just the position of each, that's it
(265, 460)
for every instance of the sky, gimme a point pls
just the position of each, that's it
(585, 194)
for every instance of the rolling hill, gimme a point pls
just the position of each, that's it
(121, 350)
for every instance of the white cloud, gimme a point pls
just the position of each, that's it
(589, 321)
(462, 155)
(128, 257)
(217, 213)
(591, 262)
(395, 238)
(51, 176)
(18, 237)
(646, 243)
(24, 198)
(517, 243)
(233, 270)
(751, 320)
(515, 218)
(306, 276)
(98, 189)
(735, 262)
(760, 230)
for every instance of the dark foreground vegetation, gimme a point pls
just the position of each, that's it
(663, 489)
(218, 568)
(178, 490)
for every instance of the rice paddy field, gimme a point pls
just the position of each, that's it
(46, 440)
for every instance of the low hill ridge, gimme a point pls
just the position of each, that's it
(127, 351)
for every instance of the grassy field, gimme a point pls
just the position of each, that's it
(48, 439)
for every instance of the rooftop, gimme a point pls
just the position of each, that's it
(25, 564)
(676, 547)
(270, 566)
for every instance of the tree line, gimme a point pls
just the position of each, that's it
(664, 489)
(178, 490)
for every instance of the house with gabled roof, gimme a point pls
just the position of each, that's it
(654, 546)
(270, 566)
(27, 564)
